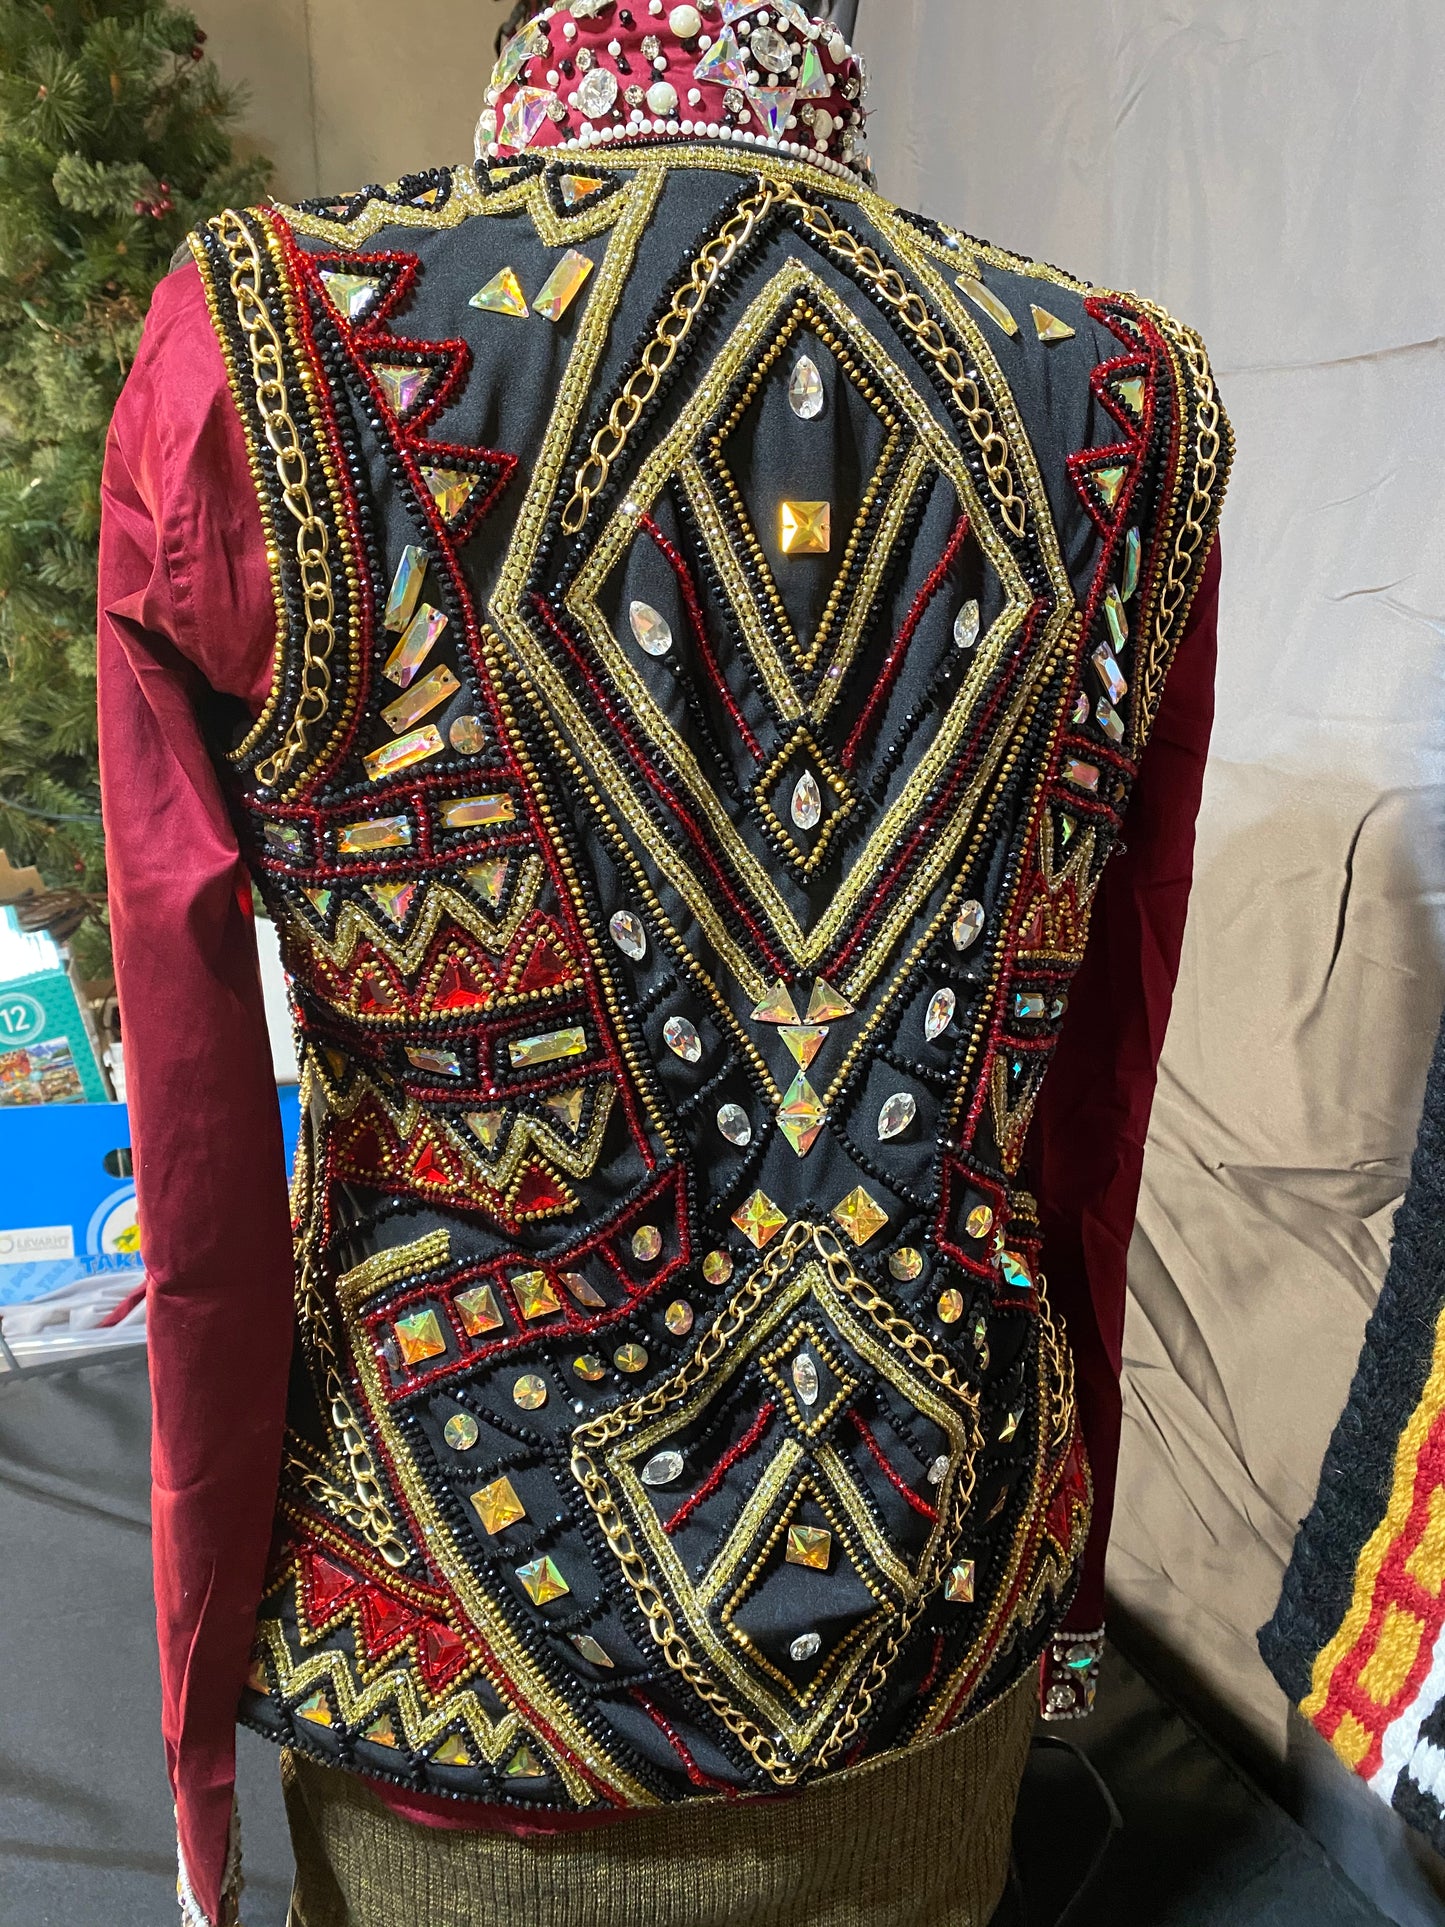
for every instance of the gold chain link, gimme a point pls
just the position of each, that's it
(660, 353)
(313, 540)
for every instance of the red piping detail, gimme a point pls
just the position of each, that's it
(906, 1492)
(690, 1766)
(699, 633)
(922, 602)
(724, 1465)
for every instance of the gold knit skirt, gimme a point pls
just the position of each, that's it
(922, 1837)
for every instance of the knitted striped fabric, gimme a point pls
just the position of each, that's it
(1358, 1638)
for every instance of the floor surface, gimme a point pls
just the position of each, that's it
(85, 1828)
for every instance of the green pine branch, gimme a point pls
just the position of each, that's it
(115, 141)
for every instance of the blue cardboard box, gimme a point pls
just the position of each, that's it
(67, 1198)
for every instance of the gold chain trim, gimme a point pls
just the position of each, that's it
(660, 353)
(601, 1432)
(1212, 447)
(912, 311)
(313, 541)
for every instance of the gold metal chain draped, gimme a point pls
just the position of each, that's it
(313, 542)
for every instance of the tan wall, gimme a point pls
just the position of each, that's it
(349, 91)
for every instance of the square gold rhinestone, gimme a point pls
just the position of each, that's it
(807, 528)
(809, 1546)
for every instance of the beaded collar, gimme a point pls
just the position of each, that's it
(755, 73)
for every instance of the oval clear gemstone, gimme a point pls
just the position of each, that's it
(682, 1038)
(941, 1011)
(805, 389)
(805, 1379)
(897, 1114)
(652, 630)
(629, 935)
(807, 802)
(806, 1646)
(662, 1468)
(772, 50)
(938, 1472)
(735, 1125)
(966, 625)
(968, 925)
(598, 93)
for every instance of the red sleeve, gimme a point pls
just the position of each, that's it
(1087, 1147)
(185, 602)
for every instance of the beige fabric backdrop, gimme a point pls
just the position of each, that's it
(1275, 174)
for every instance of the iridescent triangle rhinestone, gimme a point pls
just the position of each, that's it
(393, 898)
(577, 188)
(813, 81)
(567, 1107)
(773, 106)
(403, 386)
(502, 295)
(723, 62)
(777, 1008)
(804, 1041)
(806, 394)
(860, 1215)
(563, 285)
(1131, 393)
(652, 630)
(487, 1127)
(1048, 327)
(826, 1004)
(1109, 481)
(451, 489)
(524, 1765)
(942, 1008)
(354, 294)
(452, 1752)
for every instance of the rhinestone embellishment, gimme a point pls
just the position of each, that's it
(652, 630)
(897, 1114)
(906, 1264)
(663, 1468)
(629, 935)
(967, 624)
(805, 1378)
(805, 389)
(682, 1039)
(806, 1646)
(942, 1009)
(807, 805)
(733, 1122)
(968, 924)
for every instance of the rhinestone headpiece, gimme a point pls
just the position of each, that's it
(760, 72)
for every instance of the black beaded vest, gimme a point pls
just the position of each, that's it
(719, 619)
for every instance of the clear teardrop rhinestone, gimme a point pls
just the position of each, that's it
(735, 1125)
(629, 935)
(968, 925)
(805, 389)
(805, 1379)
(806, 1646)
(807, 802)
(897, 1114)
(967, 624)
(682, 1037)
(941, 1011)
(662, 1468)
(653, 631)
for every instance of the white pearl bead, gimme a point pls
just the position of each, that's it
(654, 7)
(554, 79)
(569, 29)
(686, 22)
(614, 47)
(662, 98)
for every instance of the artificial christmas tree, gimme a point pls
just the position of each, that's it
(114, 142)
